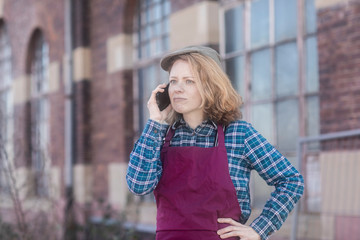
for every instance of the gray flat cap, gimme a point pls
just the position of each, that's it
(166, 61)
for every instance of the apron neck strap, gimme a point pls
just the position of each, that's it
(219, 138)
(170, 133)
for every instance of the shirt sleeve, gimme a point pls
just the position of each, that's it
(145, 168)
(277, 171)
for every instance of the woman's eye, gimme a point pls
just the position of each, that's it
(189, 81)
(172, 81)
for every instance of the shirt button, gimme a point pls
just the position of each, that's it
(155, 131)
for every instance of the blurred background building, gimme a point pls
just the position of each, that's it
(75, 76)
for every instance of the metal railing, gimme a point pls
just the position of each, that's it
(300, 156)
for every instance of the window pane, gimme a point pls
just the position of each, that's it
(153, 29)
(167, 7)
(310, 16)
(235, 71)
(166, 26)
(164, 76)
(147, 15)
(261, 191)
(286, 70)
(143, 18)
(261, 86)
(165, 43)
(285, 19)
(148, 32)
(3, 119)
(5, 60)
(40, 114)
(262, 118)
(313, 118)
(157, 29)
(259, 23)
(312, 70)
(287, 116)
(157, 12)
(234, 29)
(149, 81)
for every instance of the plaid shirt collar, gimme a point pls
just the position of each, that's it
(206, 128)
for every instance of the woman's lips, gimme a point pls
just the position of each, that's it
(178, 99)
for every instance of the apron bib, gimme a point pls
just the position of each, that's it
(195, 190)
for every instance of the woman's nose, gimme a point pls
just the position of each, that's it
(178, 87)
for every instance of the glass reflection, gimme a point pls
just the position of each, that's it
(261, 85)
(259, 23)
(285, 19)
(234, 29)
(287, 74)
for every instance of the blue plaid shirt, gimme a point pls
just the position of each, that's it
(246, 150)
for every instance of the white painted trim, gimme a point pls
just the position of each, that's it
(195, 25)
(54, 77)
(329, 3)
(119, 53)
(21, 89)
(1, 8)
(83, 181)
(118, 190)
(82, 63)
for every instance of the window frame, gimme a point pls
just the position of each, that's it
(38, 67)
(303, 96)
(6, 90)
(143, 62)
(247, 52)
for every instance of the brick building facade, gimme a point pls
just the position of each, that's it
(338, 41)
(91, 124)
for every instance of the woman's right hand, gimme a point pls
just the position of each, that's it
(154, 111)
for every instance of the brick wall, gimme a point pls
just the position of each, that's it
(111, 93)
(22, 18)
(339, 67)
(48, 17)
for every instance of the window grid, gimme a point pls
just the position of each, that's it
(300, 108)
(151, 42)
(248, 52)
(150, 45)
(40, 115)
(6, 109)
(153, 28)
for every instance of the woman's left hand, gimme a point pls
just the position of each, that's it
(237, 230)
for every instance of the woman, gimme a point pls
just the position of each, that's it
(199, 165)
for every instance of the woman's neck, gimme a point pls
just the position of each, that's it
(193, 121)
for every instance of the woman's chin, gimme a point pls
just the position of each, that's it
(178, 109)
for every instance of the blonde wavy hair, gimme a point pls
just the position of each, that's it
(220, 101)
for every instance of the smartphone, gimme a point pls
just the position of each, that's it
(163, 99)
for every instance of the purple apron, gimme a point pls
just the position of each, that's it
(195, 190)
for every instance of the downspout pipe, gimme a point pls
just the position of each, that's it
(69, 121)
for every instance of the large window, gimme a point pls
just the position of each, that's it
(270, 51)
(6, 108)
(152, 41)
(39, 113)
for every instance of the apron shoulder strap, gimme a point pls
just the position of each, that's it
(169, 134)
(220, 136)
